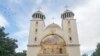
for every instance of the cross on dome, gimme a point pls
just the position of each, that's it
(66, 7)
(67, 13)
(53, 19)
(39, 8)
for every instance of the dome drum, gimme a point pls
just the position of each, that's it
(67, 14)
(38, 14)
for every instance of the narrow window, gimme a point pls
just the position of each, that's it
(35, 39)
(64, 15)
(67, 14)
(36, 22)
(42, 17)
(60, 50)
(36, 15)
(70, 38)
(35, 30)
(39, 16)
(68, 21)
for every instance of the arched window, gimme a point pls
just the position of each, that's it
(36, 22)
(68, 21)
(36, 30)
(35, 39)
(60, 50)
(70, 38)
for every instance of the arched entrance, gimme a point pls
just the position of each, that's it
(52, 45)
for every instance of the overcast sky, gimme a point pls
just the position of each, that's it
(15, 16)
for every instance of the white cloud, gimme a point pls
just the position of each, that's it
(22, 37)
(3, 21)
(87, 16)
(88, 20)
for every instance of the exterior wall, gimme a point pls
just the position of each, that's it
(32, 33)
(33, 50)
(65, 27)
(72, 47)
(73, 30)
(73, 50)
(33, 47)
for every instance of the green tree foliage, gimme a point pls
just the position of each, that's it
(84, 55)
(97, 51)
(7, 45)
(21, 53)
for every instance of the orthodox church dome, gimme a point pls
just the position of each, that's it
(66, 14)
(53, 25)
(38, 14)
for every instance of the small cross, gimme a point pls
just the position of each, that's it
(53, 19)
(39, 8)
(66, 7)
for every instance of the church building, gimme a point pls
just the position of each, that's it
(53, 40)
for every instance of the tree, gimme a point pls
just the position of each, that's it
(84, 55)
(97, 51)
(21, 53)
(7, 45)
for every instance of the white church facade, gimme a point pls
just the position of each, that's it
(53, 40)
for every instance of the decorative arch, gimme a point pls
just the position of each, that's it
(52, 44)
(52, 34)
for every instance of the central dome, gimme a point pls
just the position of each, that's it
(53, 25)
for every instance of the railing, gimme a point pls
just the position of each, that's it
(52, 55)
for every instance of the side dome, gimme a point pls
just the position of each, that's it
(67, 14)
(53, 25)
(38, 14)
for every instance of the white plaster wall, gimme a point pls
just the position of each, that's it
(74, 33)
(63, 32)
(33, 51)
(73, 50)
